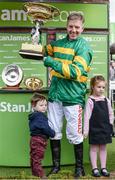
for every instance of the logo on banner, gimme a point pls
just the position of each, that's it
(9, 107)
(8, 15)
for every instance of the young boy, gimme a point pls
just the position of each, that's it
(40, 131)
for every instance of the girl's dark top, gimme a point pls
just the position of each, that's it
(38, 125)
(100, 129)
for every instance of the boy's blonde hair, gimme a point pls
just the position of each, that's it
(37, 97)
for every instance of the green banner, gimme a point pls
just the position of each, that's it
(12, 14)
(14, 107)
(10, 44)
(15, 136)
(112, 33)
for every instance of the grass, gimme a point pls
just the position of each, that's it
(66, 172)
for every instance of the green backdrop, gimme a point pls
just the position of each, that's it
(10, 44)
(14, 106)
(96, 15)
(14, 133)
(112, 33)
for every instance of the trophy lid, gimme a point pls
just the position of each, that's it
(41, 11)
(12, 75)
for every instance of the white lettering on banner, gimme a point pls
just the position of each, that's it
(14, 38)
(20, 15)
(8, 107)
(100, 39)
(8, 15)
(63, 16)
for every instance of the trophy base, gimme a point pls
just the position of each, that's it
(31, 55)
(12, 87)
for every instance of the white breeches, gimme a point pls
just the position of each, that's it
(73, 115)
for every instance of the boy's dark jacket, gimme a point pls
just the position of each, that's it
(38, 124)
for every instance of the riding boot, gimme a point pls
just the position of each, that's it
(78, 151)
(56, 150)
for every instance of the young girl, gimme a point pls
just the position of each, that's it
(98, 120)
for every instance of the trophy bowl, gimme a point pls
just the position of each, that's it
(38, 13)
(12, 76)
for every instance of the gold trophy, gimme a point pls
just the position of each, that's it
(38, 13)
(33, 83)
